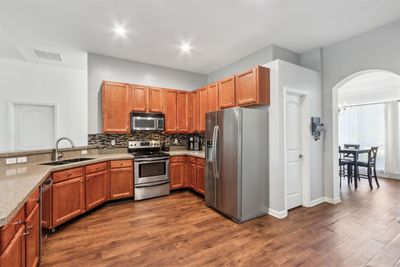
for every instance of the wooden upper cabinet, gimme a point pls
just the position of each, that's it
(191, 112)
(139, 98)
(196, 111)
(212, 97)
(182, 111)
(170, 110)
(155, 100)
(115, 107)
(226, 93)
(203, 108)
(252, 87)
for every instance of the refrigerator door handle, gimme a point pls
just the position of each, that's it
(216, 167)
(213, 152)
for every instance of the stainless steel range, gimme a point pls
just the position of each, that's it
(151, 172)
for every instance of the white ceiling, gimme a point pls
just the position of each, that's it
(221, 31)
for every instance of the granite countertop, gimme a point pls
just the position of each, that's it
(199, 154)
(18, 182)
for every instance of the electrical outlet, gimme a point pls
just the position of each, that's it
(22, 160)
(176, 141)
(11, 161)
(113, 142)
(84, 152)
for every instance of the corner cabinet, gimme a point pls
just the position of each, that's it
(116, 106)
(252, 87)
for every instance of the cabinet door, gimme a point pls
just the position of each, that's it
(181, 112)
(203, 107)
(200, 179)
(115, 107)
(68, 200)
(192, 181)
(14, 254)
(155, 103)
(32, 238)
(190, 113)
(212, 97)
(121, 183)
(178, 175)
(226, 93)
(196, 112)
(139, 98)
(96, 189)
(252, 87)
(170, 110)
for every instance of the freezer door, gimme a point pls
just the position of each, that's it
(211, 190)
(228, 148)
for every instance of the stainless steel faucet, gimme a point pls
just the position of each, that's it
(59, 155)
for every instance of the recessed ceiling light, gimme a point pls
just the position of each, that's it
(185, 47)
(120, 30)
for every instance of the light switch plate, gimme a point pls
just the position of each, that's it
(11, 161)
(113, 142)
(22, 159)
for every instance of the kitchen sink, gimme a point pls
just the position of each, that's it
(66, 161)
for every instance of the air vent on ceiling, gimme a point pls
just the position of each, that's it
(47, 55)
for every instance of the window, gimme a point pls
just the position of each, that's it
(364, 125)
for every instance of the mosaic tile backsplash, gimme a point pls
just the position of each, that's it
(102, 140)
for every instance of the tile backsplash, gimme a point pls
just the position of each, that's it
(102, 140)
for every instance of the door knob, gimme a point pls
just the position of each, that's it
(300, 156)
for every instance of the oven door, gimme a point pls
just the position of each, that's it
(144, 123)
(151, 170)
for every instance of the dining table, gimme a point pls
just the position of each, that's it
(351, 153)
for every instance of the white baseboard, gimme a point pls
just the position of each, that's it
(278, 214)
(332, 201)
(316, 202)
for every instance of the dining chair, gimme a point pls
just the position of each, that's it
(370, 165)
(343, 166)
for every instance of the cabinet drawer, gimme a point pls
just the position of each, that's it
(67, 174)
(192, 160)
(32, 202)
(176, 159)
(8, 231)
(201, 162)
(121, 163)
(96, 167)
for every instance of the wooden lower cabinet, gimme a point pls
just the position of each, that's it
(188, 172)
(96, 189)
(200, 179)
(14, 254)
(68, 200)
(121, 183)
(178, 175)
(32, 233)
(192, 180)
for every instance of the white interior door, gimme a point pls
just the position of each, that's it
(294, 180)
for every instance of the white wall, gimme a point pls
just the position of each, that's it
(113, 69)
(287, 75)
(267, 54)
(376, 49)
(31, 82)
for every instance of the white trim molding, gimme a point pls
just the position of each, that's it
(278, 214)
(332, 201)
(315, 202)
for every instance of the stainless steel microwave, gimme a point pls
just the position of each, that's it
(147, 121)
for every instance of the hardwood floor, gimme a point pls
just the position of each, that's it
(179, 230)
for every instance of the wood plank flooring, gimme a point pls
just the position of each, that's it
(179, 230)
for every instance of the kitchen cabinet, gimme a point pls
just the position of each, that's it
(196, 111)
(139, 98)
(252, 87)
(226, 93)
(115, 107)
(191, 112)
(32, 233)
(170, 110)
(192, 173)
(212, 97)
(14, 254)
(155, 100)
(182, 112)
(203, 108)
(96, 188)
(178, 178)
(68, 200)
(121, 179)
(200, 179)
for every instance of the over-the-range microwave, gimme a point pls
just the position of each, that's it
(147, 121)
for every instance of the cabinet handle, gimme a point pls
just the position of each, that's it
(36, 200)
(19, 222)
(29, 227)
(26, 233)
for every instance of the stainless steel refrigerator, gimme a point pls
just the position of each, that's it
(237, 162)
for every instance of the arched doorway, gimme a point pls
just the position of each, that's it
(363, 81)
